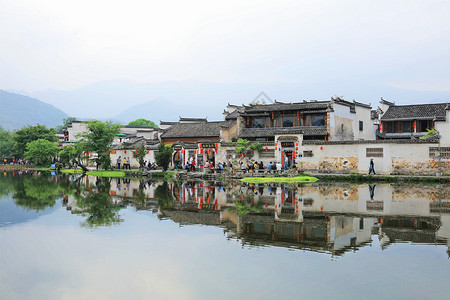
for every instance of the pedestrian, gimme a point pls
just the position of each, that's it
(124, 162)
(372, 166)
(128, 163)
(294, 164)
(286, 163)
(119, 161)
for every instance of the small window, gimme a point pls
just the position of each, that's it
(361, 125)
(374, 152)
(258, 123)
(308, 153)
(288, 121)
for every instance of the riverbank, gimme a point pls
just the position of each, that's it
(171, 174)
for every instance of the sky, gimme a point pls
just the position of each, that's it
(67, 45)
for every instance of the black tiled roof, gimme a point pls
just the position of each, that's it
(278, 106)
(202, 129)
(233, 115)
(193, 119)
(418, 111)
(268, 132)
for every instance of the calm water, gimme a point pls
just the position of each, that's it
(66, 237)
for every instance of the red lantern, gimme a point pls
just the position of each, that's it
(148, 152)
(298, 115)
(248, 120)
(209, 151)
(321, 148)
(125, 151)
(273, 115)
(266, 148)
(325, 138)
(195, 151)
(252, 152)
(414, 125)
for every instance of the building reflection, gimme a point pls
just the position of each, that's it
(332, 218)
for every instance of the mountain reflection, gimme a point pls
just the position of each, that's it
(325, 217)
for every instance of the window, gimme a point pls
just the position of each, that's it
(374, 152)
(288, 121)
(269, 153)
(361, 125)
(389, 126)
(308, 153)
(444, 153)
(406, 126)
(258, 123)
(318, 120)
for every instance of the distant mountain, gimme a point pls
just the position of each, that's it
(124, 101)
(17, 111)
(161, 109)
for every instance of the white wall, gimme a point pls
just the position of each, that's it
(444, 130)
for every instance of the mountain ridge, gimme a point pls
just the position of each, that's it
(17, 111)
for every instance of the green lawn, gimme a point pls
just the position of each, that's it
(301, 179)
(72, 171)
(106, 173)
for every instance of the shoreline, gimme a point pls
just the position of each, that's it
(239, 175)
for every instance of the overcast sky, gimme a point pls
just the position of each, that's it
(65, 44)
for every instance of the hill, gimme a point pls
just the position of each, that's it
(17, 111)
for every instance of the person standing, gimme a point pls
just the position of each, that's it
(119, 161)
(124, 162)
(372, 166)
(286, 163)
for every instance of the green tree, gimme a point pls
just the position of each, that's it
(6, 143)
(143, 123)
(29, 134)
(140, 153)
(98, 139)
(244, 146)
(164, 156)
(72, 154)
(41, 151)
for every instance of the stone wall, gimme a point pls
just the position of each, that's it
(409, 158)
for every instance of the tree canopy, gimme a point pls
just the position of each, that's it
(98, 138)
(164, 156)
(140, 153)
(6, 143)
(41, 151)
(32, 133)
(143, 123)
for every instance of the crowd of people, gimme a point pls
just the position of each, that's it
(14, 161)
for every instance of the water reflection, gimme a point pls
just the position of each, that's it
(332, 218)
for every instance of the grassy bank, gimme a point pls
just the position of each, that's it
(298, 179)
(106, 173)
(72, 171)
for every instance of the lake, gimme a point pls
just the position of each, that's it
(82, 237)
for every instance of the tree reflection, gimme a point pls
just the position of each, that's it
(36, 192)
(163, 196)
(97, 207)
